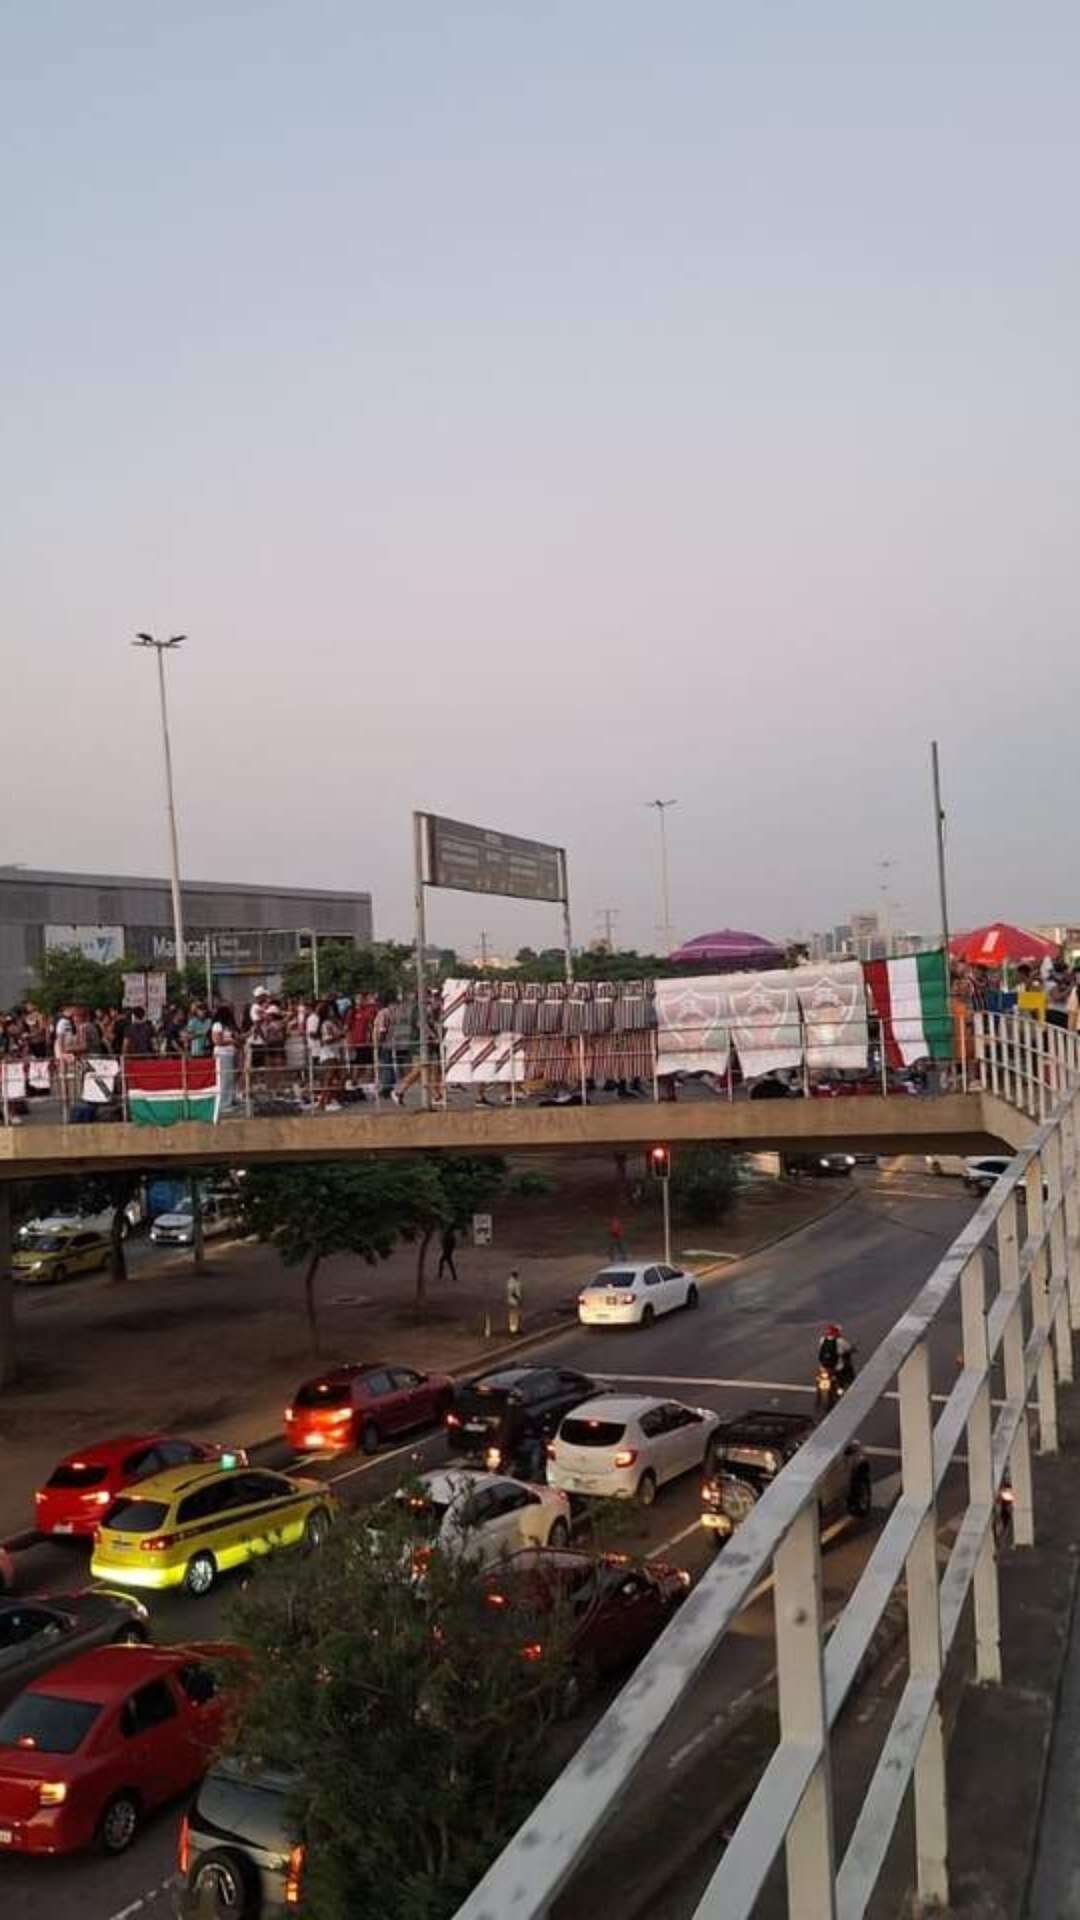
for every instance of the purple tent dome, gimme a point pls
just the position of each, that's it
(729, 951)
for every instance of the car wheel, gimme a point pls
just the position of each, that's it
(60, 1273)
(692, 1295)
(369, 1436)
(224, 1882)
(646, 1488)
(861, 1496)
(648, 1314)
(132, 1636)
(200, 1575)
(119, 1823)
(559, 1535)
(316, 1530)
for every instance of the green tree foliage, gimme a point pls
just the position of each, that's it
(467, 1185)
(64, 977)
(313, 1211)
(703, 1184)
(386, 968)
(414, 1726)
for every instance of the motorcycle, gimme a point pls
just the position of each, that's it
(833, 1382)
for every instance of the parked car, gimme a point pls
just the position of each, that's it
(81, 1488)
(100, 1741)
(220, 1214)
(822, 1166)
(747, 1454)
(633, 1296)
(358, 1405)
(237, 1853)
(629, 1445)
(600, 1614)
(982, 1173)
(185, 1527)
(54, 1252)
(481, 1516)
(505, 1419)
(37, 1632)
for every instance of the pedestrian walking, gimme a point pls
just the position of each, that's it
(616, 1243)
(447, 1248)
(514, 1297)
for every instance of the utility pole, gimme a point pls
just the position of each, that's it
(665, 892)
(939, 835)
(161, 648)
(483, 948)
(886, 914)
(609, 915)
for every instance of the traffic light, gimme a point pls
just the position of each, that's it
(660, 1163)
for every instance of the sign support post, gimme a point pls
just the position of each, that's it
(420, 868)
(567, 939)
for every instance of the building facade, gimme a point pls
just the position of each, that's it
(241, 934)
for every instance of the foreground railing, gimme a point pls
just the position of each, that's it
(1015, 1273)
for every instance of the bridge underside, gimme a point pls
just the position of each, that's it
(955, 1123)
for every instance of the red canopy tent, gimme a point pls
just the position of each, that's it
(1000, 943)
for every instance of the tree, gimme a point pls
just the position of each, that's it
(387, 968)
(313, 1211)
(110, 1193)
(64, 977)
(703, 1184)
(466, 1186)
(415, 1728)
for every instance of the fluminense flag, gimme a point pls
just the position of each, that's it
(911, 996)
(162, 1091)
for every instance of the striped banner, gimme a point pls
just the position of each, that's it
(161, 1092)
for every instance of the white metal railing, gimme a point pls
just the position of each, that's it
(1015, 1272)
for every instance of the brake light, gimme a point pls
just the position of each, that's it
(52, 1793)
(289, 1414)
(496, 1599)
(183, 1846)
(453, 1419)
(336, 1419)
(625, 1299)
(421, 1559)
(158, 1543)
(98, 1499)
(294, 1876)
(550, 1449)
(625, 1457)
(533, 1650)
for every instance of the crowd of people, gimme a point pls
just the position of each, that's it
(316, 1050)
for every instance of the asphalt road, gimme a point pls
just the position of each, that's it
(751, 1342)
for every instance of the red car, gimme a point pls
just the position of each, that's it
(99, 1741)
(79, 1490)
(360, 1405)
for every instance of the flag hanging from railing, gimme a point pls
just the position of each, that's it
(162, 1091)
(911, 998)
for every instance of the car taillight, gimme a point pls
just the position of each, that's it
(52, 1793)
(533, 1650)
(158, 1543)
(294, 1877)
(550, 1449)
(337, 1419)
(183, 1846)
(625, 1457)
(289, 1414)
(453, 1419)
(493, 1459)
(421, 1558)
(625, 1299)
(98, 1499)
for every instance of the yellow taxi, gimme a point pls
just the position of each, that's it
(183, 1527)
(51, 1249)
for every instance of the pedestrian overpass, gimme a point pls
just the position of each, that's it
(1012, 1279)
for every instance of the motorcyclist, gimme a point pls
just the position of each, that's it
(835, 1356)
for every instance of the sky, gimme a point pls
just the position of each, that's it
(528, 411)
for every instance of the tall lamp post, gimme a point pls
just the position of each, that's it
(665, 893)
(161, 648)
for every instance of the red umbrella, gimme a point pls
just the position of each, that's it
(999, 943)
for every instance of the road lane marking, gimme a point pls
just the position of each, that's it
(377, 1459)
(144, 1900)
(675, 1540)
(765, 1386)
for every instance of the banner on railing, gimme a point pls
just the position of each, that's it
(163, 1091)
(911, 999)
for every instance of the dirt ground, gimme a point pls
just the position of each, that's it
(221, 1351)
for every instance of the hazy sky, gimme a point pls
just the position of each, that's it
(529, 409)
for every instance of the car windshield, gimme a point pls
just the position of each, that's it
(592, 1433)
(40, 1242)
(613, 1279)
(47, 1723)
(137, 1516)
(77, 1473)
(323, 1393)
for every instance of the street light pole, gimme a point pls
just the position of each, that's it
(665, 893)
(161, 647)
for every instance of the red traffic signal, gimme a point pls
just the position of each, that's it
(660, 1163)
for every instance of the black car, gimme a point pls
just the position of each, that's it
(238, 1852)
(38, 1632)
(747, 1454)
(504, 1420)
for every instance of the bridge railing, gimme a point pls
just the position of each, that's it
(1014, 1273)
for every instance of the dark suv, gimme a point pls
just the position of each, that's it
(504, 1420)
(238, 1857)
(747, 1454)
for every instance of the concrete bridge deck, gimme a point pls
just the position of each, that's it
(955, 1123)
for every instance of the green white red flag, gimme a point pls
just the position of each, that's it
(161, 1091)
(911, 999)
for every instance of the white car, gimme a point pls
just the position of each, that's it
(484, 1516)
(632, 1296)
(628, 1445)
(177, 1229)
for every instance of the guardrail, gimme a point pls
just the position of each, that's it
(1015, 1271)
